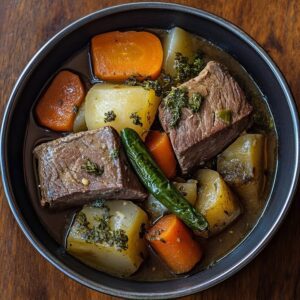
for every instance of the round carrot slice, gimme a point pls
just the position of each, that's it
(118, 55)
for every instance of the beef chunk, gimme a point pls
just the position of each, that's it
(66, 165)
(200, 136)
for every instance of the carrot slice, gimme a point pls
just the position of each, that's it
(57, 107)
(174, 243)
(161, 150)
(118, 55)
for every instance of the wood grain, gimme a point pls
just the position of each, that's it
(25, 25)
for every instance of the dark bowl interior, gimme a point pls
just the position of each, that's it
(155, 15)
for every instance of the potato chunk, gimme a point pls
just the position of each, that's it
(109, 238)
(121, 106)
(177, 40)
(188, 190)
(79, 122)
(215, 201)
(242, 167)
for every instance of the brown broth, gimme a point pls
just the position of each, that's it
(58, 222)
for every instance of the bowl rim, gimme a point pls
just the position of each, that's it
(74, 26)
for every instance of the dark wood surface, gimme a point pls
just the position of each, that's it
(25, 25)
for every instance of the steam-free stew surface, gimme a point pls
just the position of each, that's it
(57, 223)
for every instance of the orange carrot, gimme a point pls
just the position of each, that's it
(161, 150)
(174, 243)
(57, 108)
(118, 55)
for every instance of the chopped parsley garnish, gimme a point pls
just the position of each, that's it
(225, 115)
(115, 153)
(109, 116)
(120, 239)
(164, 83)
(161, 86)
(174, 102)
(92, 168)
(99, 203)
(101, 232)
(165, 86)
(136, 119)
(179, 98)
(186, 70)
(195, 102)
(81, 219)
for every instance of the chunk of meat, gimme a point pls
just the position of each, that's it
(65, 180)
(200, 136)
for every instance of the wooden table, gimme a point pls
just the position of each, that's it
(26, 25)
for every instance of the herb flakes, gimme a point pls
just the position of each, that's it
(114, 154)
(161, 86)
(101, 232)
(174, 102)
(136, 119)
(92, 168)
(99, 203)
(185, 70)
(109, 116)
(195, 102)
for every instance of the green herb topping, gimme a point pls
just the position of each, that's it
(114, 154)
(99, 203)
(101, 232)
(225, 115)
(164, 83)
(186, 70)
(92, 168)
(179, 98)
(195, 102)
(174, 102)
(136, 119)
(109, 116)
(161, 86)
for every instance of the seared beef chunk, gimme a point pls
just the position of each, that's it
(81, 167)
(223, 115)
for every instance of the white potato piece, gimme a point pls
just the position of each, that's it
(215, 201)
(188, 190)
(125, 102)
(242, 167)
(98, 237)
(177, 40)
(79, 122)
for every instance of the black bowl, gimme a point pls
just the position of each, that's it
(155, 15)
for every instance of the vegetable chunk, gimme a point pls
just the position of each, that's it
(177, 41)
(242, 167)
(188, 190)
(161, 149)
(157, 183)
(79, 122)
(174, 243)
(121, 106)
(215, 201)
(58, 106)
(109, 237)
(118, 55)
